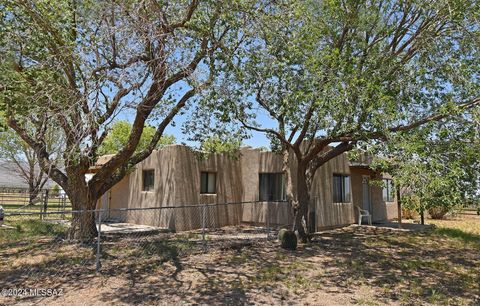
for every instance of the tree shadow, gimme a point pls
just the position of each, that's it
(411, 267)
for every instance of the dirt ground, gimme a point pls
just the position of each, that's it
(353, 265)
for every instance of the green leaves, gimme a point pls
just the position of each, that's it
(118, 138)
(226, 145)
(437, 166)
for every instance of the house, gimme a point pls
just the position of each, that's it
(182, 181)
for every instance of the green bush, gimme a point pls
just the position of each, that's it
(289, 240)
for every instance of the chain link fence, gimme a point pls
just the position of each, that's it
(39, 247)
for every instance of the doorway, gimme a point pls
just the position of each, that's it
(366, 203)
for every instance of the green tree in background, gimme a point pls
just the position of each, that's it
(217, 144)
(18, 158)
(437, 168)
(117, 138)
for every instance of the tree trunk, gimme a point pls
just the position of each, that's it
(32, 194)
(83, 226)
(303, 198)
(298, 199)
(422, 215)
(399, 207)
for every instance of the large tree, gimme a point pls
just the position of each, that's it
(77, 65)
(331, 74)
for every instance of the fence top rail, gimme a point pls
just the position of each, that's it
(139, 208)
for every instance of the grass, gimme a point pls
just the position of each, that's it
(467, 225)
(466, 230)
(24, 229)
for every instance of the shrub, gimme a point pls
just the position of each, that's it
(409, 213)
(438, 212)
(289, 240)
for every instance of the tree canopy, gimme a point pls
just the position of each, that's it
(330, 75)
(437, 167)
(78, 65)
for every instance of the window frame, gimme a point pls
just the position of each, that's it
(271, 178)
(151, 186)
(388, 186)
(345, 195)
(208, 175)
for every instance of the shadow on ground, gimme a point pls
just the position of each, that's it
(394, 266)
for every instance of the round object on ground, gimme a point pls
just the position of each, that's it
(281, 233)
(289, 240)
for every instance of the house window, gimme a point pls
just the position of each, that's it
(148, 180)
(272, 187)
(388, 190)
(341, 188)
(208, 182)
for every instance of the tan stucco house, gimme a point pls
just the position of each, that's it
(177, 176)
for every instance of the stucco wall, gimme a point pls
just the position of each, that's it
(177, 183)
(254, 162)
(119, 198)
(330, 214)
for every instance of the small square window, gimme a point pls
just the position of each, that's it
(272, 187)
(148, 180)
(208, 182)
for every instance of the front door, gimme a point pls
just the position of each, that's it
(366, 193)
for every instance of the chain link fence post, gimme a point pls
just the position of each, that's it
(99, 236)
(267, 220)
(204, 217)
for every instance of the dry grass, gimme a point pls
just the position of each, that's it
(468, 225)
(353, 265)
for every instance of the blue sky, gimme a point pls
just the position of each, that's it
(256, 140)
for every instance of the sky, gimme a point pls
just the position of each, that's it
(256, 140)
